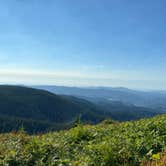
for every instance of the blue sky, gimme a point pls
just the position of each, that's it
(83, 43)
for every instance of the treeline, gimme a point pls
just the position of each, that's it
(14, 124)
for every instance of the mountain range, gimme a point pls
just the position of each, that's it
(151, 99)
(40, 111)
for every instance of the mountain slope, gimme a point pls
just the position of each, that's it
(117, 144)
(35, 105)
(42, 105)
(123, 112)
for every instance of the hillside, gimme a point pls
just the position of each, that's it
(108, 144)
(39, 110)
(125, 112)
(119, 102)
(151, 99)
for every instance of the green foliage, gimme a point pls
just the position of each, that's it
(115, 144)
(156, 156)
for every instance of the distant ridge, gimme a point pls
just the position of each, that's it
(151, 99)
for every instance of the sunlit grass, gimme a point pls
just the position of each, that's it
(115, 144)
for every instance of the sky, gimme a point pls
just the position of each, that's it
(83, 43)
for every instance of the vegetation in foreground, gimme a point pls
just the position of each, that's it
(106, 144)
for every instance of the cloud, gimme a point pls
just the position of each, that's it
(127, 78)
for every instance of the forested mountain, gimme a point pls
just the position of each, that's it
(39, 110)
(36, 104)
(123, 112)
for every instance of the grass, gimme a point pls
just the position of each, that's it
(119, 144)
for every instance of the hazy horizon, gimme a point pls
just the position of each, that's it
(83, 43)
(83, 87)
